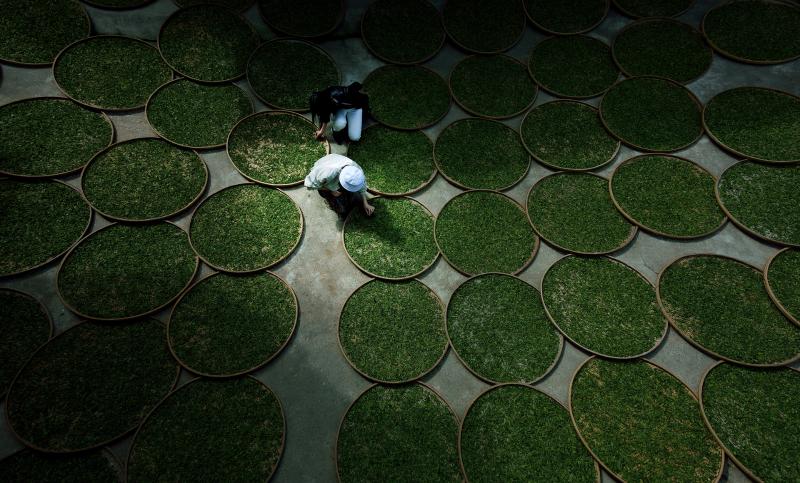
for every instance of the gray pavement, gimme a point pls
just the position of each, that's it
(311, 377)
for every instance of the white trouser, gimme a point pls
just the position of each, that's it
(352, 119)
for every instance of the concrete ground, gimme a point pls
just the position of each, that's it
(311, 377)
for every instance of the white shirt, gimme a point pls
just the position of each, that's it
(325, 173)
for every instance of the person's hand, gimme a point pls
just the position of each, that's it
(336, 193)
(319, 134)
(369, 209)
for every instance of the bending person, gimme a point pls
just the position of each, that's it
(346, 105)
(341, 181)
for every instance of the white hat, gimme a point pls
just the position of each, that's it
(352, 178)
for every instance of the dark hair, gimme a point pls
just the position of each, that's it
(314, 106)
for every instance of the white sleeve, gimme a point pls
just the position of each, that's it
(320, 177)
(326, 172)
(311, 182)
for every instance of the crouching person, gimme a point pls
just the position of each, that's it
(341, 182)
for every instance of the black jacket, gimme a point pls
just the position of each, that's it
(334, 98)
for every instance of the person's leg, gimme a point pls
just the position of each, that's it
(349, 201)
(329, 199)
(341, 204)
(355, 118)
(339, 125)
(339, 120)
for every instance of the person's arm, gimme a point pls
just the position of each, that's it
(318, 178)
(324, 114)
(321, 131)
(368, 208)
